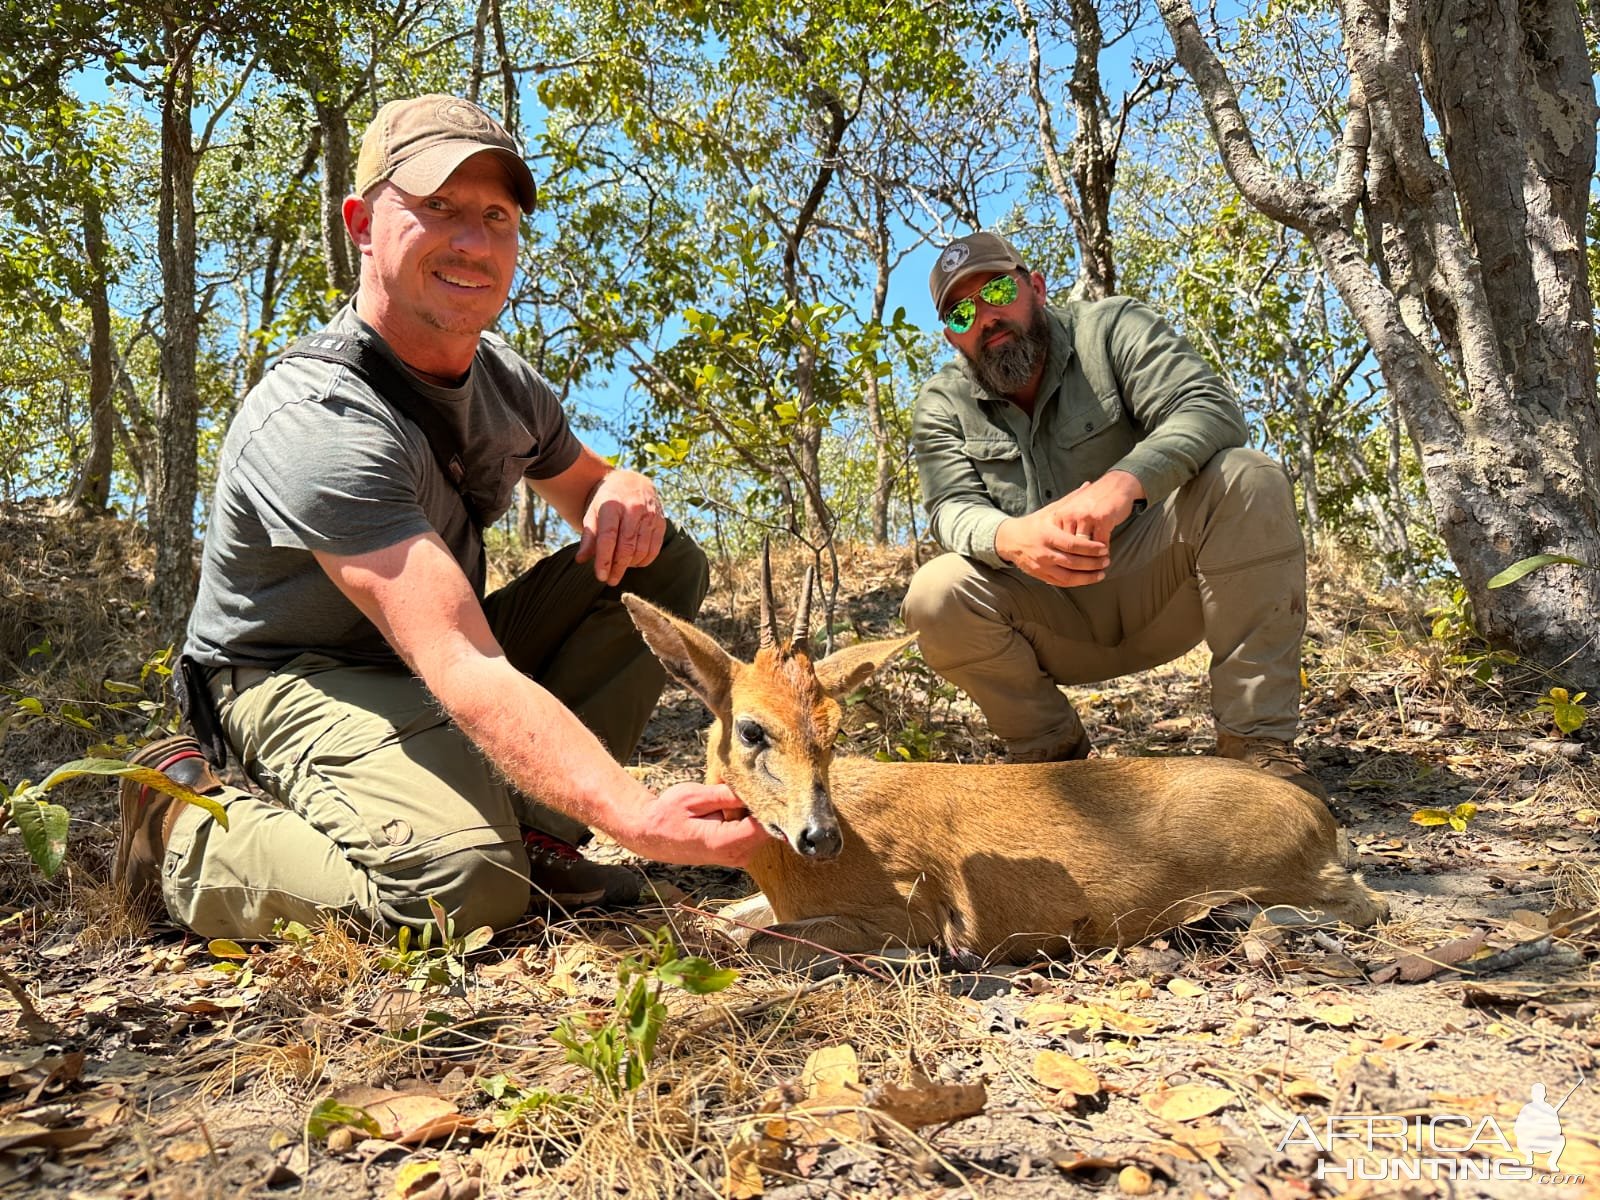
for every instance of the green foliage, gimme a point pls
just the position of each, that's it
(44, 825)
(1566, 712)
(1457, 818)
(439, 960)
(912, 744)
(1524, 566)
(516, 1105)
(617, 1049)
(328, 1114)
(1455, 626)
(157, 713)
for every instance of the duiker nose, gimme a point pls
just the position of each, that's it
(820, 841)
(820, 838)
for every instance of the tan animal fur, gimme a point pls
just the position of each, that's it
(1003, 862)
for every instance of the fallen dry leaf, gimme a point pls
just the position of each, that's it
(1080, 1163)
(828, 1111)
(16, 1134)
(1414, 968)
(1187, 1102)
(1184, 988)
(924, 1102)
(409, 1118)
(1340, 1016)
(1206, 1138)
(1046, 1014)
(1064, 1073)
(1308, 1089)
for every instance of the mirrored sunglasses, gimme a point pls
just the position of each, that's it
(997, 293)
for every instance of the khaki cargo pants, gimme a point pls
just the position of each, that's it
(1220, 560)
(377, 802)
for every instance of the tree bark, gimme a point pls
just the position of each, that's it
(173, 483)
(1479, 314)
(337, 172)
(1092, 160)
(91, 491)
(872, 383)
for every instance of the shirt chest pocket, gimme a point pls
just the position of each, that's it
(1093, 438)
(495, 504)
(998, 462)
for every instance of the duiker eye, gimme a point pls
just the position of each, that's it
(750, 734)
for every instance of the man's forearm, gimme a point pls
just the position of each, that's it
(537, 744)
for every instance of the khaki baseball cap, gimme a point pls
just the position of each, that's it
(975, 252)
(417, 144)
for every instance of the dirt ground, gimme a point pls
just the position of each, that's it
(138, 1062)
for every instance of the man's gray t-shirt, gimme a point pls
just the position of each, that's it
(315, 460)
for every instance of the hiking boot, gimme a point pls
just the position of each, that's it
(565, 877)
(1065, 752)
(146, 815)
(1272, 755)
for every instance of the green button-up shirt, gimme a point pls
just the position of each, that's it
(1121, 389)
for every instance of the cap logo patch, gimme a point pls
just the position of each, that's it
(954, 256)
(465, 116)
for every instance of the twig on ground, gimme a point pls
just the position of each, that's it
(1525, 952)
(39, 1029)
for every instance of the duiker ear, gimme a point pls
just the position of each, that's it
(845, 670)
(691, 657)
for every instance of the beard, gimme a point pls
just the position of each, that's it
(1005, 370)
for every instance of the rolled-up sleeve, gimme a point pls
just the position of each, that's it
(964, 518)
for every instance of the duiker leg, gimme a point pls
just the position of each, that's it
(818, 941)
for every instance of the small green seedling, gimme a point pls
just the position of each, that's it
(617, 1049)
(1457, 818)
(429, 965)
(1565, 712)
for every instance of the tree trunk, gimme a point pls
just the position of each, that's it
(337, 173)
(91, 491)
(1483, 266)
(177, 404)
(882, 474)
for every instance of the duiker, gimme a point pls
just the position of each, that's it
(1000, 862)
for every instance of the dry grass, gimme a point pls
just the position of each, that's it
(1395, 712)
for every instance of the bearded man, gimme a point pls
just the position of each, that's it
(1085, 470)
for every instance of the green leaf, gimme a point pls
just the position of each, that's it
(1569, 718)
(1430, 816)
(329, 1115)
(145, 776)
(44, 831)
(225, 948)
(697, 975)
(1518, 569)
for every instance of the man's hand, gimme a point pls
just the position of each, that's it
(694, 824)
(623, 525)
(1068, 543)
